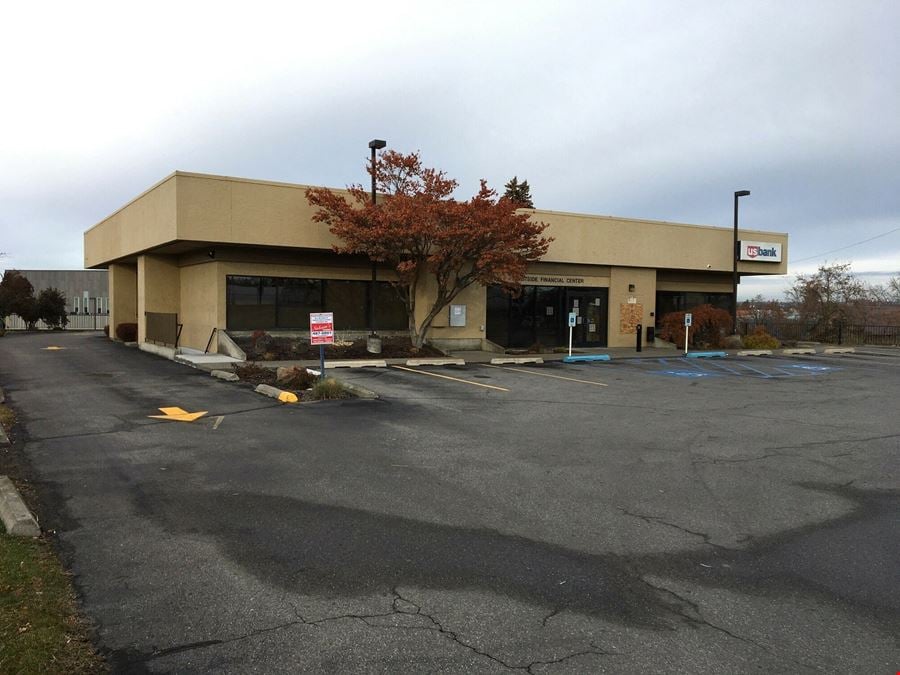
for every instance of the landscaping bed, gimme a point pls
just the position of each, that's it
(262, 346)
(298, 381)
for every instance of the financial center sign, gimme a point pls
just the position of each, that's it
(760, 251)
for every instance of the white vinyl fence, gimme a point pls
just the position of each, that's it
(76, 322)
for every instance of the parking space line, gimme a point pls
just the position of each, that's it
(556, 377)
(756, 370)
(727, 369)
(447, 377)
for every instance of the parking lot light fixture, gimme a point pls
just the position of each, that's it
(735, 254)
(374, 345)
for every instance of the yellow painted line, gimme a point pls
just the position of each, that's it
(447, 377)
(555, 377)
(178, 415)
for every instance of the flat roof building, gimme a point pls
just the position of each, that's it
(234, 254)
(86, 291)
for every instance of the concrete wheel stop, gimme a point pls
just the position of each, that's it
(15, 515)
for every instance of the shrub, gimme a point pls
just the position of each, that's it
(260, 342)
(127, 332)
(298, 379)
(710, 324)
(51, 307)
(760, 339)
(328, 389)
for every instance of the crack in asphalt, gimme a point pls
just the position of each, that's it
(400, 606)
(695, 617)
(656, 519)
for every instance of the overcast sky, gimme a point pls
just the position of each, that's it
(651, 109)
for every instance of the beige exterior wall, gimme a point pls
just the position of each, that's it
(235, 211)
(474, 298)
(146, 222)
(122, 296)
(158, 289)
(198, 208)
(622, 300)
(653, 244)
(200, 305)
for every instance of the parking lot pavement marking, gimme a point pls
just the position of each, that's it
(447, 377)
(218, 422)
(556, 377)
(176, 414)
(52, 348)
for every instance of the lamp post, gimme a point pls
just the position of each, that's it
(735, 254)
(373, 344)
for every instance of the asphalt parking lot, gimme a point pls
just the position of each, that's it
(658, 514)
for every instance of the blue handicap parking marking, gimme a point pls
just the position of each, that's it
(685, 373)
(680, 366)
(810, 368)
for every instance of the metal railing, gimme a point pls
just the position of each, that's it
(76, 322)
(839, 333)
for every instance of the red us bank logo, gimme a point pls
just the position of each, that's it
(757, 251)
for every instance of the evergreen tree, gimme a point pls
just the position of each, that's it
(518, 192)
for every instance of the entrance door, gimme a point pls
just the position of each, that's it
(590, 306)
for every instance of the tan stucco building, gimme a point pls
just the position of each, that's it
(211, 252)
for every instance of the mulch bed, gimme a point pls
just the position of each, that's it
(275, 348)
(252, 374)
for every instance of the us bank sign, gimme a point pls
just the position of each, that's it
(760, 251)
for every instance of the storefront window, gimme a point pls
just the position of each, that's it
(539, 316)
(683, 301)
(276, 303)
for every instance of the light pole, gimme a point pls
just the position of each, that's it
(373, 344)
(735, 254)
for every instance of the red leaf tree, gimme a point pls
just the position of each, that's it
(423, 233)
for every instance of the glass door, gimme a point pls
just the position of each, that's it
(591, 315)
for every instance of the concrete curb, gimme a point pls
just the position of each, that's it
(798, 352)
(15, 515)
(755, 352)
(359, 391)
(516, 360)
(274, 392)
(374, 363)
(225, 375)
(839, 350)
(436, 362)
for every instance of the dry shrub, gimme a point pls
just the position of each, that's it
(299, 379)
(760, 339)
(328, 389)
(127, 332)
(709, 326)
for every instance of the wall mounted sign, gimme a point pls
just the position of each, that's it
(760, 251)
(564, 280)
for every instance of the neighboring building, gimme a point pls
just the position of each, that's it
(86, 291)
(212, 252)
